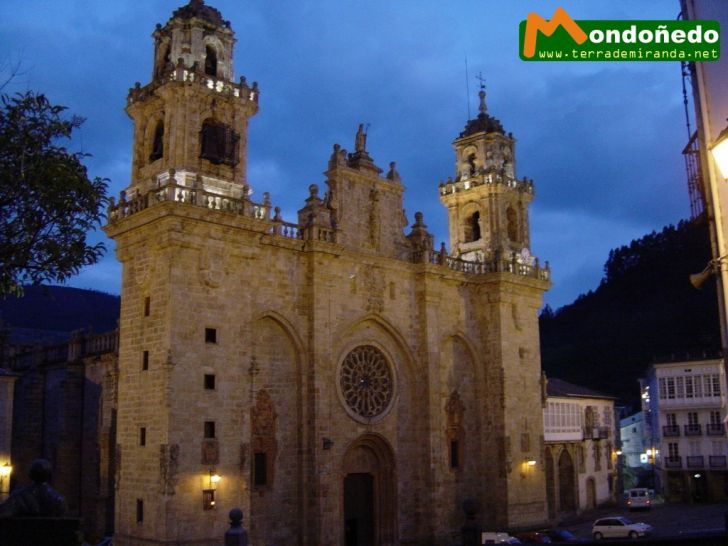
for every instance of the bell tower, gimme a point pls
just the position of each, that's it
(487, 205)
(192, 117)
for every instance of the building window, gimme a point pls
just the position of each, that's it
(671, 388)
(662, 388)
(143, 436)
(209, 429)
(689, 387)
(671, 419)
(209, 381)
(692, 418)
(679, 381)
(145, 360)
(472, 228)
(210, 335)
(139, 510)
(210, 61)
(512, 220)
(147, 306)
(454, 454)
(672, 451)
(157, 150)
(208, 499)
(716, 384)
(219, 143)
(715, 418)
(698, 386)
(260, 469)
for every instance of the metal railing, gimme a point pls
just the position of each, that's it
(671, 430)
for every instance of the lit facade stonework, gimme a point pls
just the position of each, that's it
(348, 382)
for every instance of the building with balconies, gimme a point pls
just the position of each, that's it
(684, 405)
(579, 455)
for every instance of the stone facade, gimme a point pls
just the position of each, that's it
(339, 380)
(64, 410)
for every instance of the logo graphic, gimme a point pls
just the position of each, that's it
(565, 39)
(536, 23)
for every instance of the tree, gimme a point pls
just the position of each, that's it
(47, 202)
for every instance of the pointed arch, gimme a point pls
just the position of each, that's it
(567, 482)
(286, 326)
(387, 327)
(369, 459)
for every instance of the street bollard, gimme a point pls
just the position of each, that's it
(236, 535)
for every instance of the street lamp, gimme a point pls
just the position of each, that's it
(720, 152)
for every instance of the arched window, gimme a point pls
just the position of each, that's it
(158, 142)
(512, 219)
(210, 61)
(472, 228)
(218, 143)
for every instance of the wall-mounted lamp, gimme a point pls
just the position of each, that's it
(698, 279)
(531, 462)
(5, 471)
(720, 152)
(208, 492)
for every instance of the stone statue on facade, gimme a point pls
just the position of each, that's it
(360, 142)
(36, 500)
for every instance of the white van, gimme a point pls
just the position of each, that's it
(639, 499)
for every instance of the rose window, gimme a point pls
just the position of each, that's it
(366, 382)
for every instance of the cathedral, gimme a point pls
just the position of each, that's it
(338, 377)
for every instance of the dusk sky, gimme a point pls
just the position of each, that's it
(601, 140)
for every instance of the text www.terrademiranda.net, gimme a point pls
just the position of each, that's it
(630, 55)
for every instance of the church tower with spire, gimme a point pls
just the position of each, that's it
(487, 205)
(336, 377)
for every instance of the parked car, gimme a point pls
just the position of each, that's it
(619, 527)
(533, 537)
(638, 498)
(497, 538)
(560, 535)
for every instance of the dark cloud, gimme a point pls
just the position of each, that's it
(602, 141)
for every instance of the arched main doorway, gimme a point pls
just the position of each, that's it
(567, 500)
(370, 507)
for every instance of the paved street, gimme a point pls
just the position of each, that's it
(668, 520)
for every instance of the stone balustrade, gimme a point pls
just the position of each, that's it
(497, 265)
(180, 73)
(196, 196)
(485, 178)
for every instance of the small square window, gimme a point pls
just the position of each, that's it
(210, 335)
(208, 499)
(260, 469)
(145, 360)
(139, 510)
(143, 436)
(209, 429)
(147, 306)
(210, 381)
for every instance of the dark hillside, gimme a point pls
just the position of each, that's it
(58, 309)
(644, 309)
